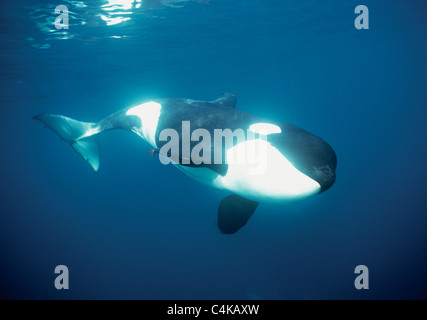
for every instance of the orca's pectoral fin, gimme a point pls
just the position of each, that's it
(234, 212)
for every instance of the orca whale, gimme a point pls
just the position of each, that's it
(292, 163)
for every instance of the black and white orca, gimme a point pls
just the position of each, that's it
(296, 164)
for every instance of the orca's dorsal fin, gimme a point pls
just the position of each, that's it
(227, 100)
(234, 212)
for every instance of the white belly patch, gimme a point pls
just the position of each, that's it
(266, 177)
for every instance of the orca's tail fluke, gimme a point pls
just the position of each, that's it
(83, 136)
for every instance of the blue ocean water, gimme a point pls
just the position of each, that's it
(141, 230)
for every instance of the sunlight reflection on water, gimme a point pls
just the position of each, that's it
(86, 18)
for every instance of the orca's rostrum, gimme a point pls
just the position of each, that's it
(290, 163)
